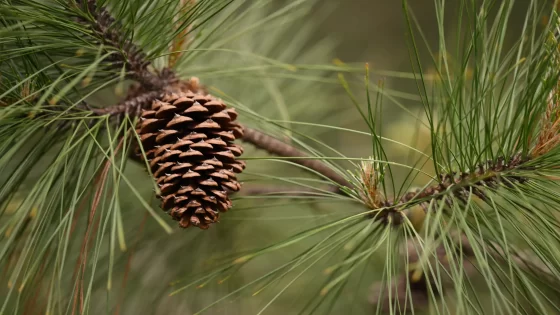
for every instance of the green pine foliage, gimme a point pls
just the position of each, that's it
(468, 226)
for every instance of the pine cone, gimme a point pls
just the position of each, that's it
(188, 139)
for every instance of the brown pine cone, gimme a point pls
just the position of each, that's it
(188, 140)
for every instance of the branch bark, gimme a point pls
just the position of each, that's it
(460, 185)
(131, 106)
(279, 148)
(109, 32)
(287, 191)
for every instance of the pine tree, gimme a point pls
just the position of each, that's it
(216, 112)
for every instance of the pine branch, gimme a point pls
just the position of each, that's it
(138, 98)
(460, 185)
(131, 106)
(452, 191)
(279, 148)
(260, 140)
(135, 60)
(287, 191)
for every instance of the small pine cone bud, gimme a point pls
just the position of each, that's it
(188, 139)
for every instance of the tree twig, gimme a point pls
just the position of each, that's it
(279, 148)
(131, 106)
(135, 60)
(287, 191)
(460, 185)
